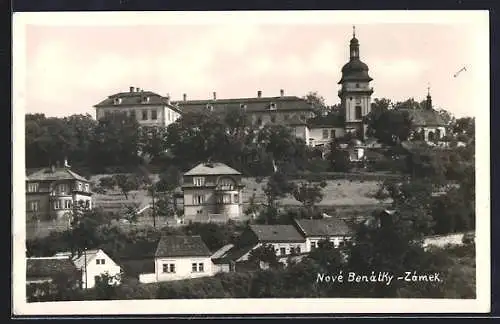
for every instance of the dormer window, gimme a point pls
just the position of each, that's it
(145, 99)
(243, 106)
(210, 108)
(272, 106)
(117, 101)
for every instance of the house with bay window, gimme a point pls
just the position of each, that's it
(212, 192)
(52, 192)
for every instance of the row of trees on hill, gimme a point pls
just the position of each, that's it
(118, 141)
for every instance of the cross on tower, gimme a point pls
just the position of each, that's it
(353, 31)
(428, 89)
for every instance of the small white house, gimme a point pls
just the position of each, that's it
(182, 257)
(93, 264)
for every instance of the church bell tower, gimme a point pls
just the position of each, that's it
(355, 93)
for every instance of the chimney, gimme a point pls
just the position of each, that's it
(168, 98)
(259, 94)
(131, 89)
(215, 95)
(184, 96)
(282, 92)
(53, 168)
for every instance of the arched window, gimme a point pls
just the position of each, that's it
(438, 133)
(430, 136)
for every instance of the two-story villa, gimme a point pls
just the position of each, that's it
(212, 191)
(149, 108)
(52, 192)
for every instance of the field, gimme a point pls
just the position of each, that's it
(345, 198)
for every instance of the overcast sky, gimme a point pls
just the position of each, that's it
(68, 69)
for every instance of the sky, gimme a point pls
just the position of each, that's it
(71, 67)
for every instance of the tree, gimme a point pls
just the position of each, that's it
(152, 141)
(106, 286)
(339, 158)
(116, 142)
(278, 186)
(264, 254)
(317, 102)
(127, 183)
(309, 194)
(389, 126)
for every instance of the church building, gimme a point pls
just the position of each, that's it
(355, 102)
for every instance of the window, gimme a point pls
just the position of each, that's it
(226, 199)
(62, 188)
(332, 133)
(117, 101)
(34, 205)
(168, 268)
(292, 250)
(272, 106)
(243, 106)
(325, 133)
(87, 188)
(357, 85)
(57, 204)
(226, 184)
(132, 114)
(350, 98)
(154, 114)
(144, 115)
(313, 245)
(198, 199)
(200, 267)
(297, 249)
(100, 261)
(259, 121)
(282, 251)
(358, 112)
(79, 186)
(87, 203)
(194, 267)
(67, 204)
(145, 99)
(199, 211)
(273, 119)
(198, 181)
(236, 198)
(33, 187)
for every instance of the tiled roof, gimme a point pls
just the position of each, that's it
(46, 174)
(49, 267)
(179, 246)
(425, 117)
(214, 168)
(323, 227)
(136, 98)
(137, 267)
(233, 254)
(80, 261)
(331, 120)
(256, 104)
(277, 233)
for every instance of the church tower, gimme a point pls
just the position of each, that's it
(355, 93)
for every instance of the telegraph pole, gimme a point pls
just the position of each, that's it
(85, 260)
